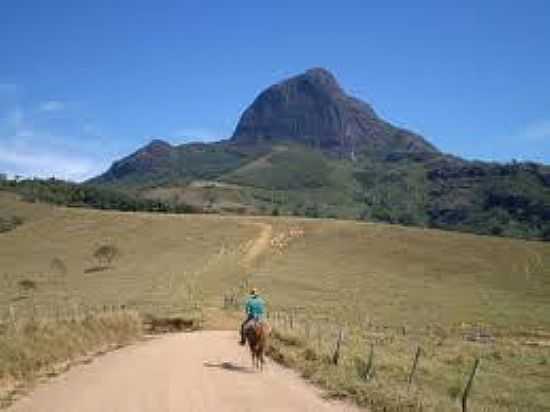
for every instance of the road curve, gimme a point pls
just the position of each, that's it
(199, 372)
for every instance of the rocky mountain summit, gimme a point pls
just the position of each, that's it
(305, 147)
(312, 108)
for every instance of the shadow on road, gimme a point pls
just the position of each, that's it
(229, 366)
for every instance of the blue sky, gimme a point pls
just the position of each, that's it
(83, 83)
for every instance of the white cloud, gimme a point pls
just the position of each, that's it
(33, 151)
(43, 163)
(51, 106)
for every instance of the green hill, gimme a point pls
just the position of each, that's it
(305, 147)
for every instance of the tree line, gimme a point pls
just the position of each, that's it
(70, 194)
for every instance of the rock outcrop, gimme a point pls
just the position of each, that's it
(313, 109)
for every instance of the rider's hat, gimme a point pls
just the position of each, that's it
(253, 291)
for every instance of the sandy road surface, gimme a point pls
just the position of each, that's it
(203, 371)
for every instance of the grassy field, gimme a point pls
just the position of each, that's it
(50, 259)
(457, 296)
(59, 302)
(400, 275)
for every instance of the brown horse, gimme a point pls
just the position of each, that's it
(257, 334)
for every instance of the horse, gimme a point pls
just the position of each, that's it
(257, 334)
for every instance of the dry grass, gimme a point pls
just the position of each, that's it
(35, 348)
(407, 276)
(457, 296)
(443, 289)
(213, 196)
(513, 376)
(57, 300)
(167, 265)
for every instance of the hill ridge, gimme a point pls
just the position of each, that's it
(340, 160)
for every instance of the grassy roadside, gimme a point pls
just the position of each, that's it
(457, 296)
(375, 364)
(34, 348)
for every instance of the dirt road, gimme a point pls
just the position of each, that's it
(203, 371)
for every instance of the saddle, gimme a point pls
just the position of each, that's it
(252, 324)
(256, 325)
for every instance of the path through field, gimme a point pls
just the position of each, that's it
(260, 245)
(203, 371)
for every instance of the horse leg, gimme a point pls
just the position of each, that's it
(262, 361)
(258, 359)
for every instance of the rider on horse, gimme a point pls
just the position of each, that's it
(255, 312)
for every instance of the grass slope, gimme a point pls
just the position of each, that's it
(458, 296)
(417, 189)
(285, 168)
(48, 261)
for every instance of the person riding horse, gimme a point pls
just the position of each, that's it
(255, 312)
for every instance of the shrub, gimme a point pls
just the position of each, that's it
(496, 230)
(9, 223)
(105, 254)
(27, 284)
(57, 265)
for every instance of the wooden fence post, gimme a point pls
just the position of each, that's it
(336, 355)
(370, 363)
(13, 319)
(415, 364)
(366, 370)
(469, 386)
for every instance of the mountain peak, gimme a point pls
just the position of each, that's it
(311, 108)
(323, 78)
(158, 143)
(319, 71)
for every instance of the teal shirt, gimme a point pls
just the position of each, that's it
(255, 307)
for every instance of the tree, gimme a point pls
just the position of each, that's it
(105, 254)
(312, 211)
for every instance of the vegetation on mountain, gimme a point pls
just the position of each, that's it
(306, 148)
(159, 163)
(421, 189)
(63, 193)
(284, 169)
